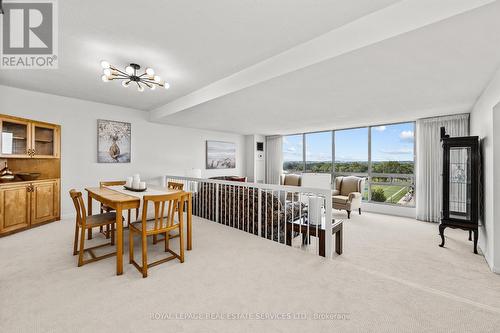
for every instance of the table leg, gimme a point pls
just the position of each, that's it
(189, 224)
(89, 212)
(338, 240)
(322, 243)
(119, 240)
(288, 235)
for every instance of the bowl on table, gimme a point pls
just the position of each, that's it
(27, 176)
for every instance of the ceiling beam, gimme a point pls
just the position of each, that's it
(400, 18)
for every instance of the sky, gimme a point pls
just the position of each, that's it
(389, 143)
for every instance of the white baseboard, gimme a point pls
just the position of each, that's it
(389, 210)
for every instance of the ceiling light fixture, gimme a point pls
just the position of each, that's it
(131, 75)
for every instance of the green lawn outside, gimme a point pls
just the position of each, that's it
(390, 190)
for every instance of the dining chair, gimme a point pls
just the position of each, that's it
(84, 223)
(175, 186)
(107, 209)
(171, 186)
(162, 224)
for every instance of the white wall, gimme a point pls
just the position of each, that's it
(484, 122)
(157, 149)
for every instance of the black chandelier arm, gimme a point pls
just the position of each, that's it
(138, 84)
(150, 81)
(120, 78)
(119, 71)
(145, 83)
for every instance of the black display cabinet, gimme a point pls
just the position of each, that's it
(461, 165)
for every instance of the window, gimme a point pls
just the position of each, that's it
(319, 152)
(351, 151)
(383, 155)
(392, 164)
(293, 154)
(351, 154)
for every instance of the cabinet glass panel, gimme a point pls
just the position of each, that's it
(44, 141)
(14, 138)
(460, 183)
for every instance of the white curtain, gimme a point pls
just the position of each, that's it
(429, 166)
(274, 159)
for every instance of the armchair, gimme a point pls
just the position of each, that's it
(348, 194)
(291, 180)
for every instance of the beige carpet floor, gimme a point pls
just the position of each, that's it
(392, 277)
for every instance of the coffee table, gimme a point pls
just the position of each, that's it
(301, 226)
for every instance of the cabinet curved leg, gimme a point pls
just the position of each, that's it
(470, 235)
(441, 233)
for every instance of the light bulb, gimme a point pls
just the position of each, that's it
(129, 70)
(107, 71)
(140, 88)
(153, 87)
(104, 78)
(105, 64)
(125, 84)
(157, 78)
(150, 71)
(166, 85)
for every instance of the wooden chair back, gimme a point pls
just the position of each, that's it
(162, 221)
(175, 186)
(112, 183)
(81, 214)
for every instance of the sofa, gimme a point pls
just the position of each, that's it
(348, 194)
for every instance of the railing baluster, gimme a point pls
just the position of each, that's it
(236, 205)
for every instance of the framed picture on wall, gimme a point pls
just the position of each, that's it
(221, 155)
(113, 141)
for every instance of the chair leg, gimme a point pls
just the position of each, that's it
(166, 241)
(112, 234)
(107, 231)
(130, 246)
(75, 244)
(144, 256)
(348, 214)
(129, 216)
(181, 240)
(360, 211)
(82, 244)
(89, 231)
(155, 239)
(101, 228)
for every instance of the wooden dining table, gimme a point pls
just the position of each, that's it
(120, 202)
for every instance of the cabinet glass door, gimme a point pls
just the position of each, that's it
(15, 138)
(44, 140)
(460, 183)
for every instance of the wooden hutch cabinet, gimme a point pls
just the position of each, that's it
(23, 138)
(29, 147)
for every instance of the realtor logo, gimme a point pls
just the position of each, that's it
(29, 35)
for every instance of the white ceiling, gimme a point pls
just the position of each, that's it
(438, 69)
(435, 61)
(190, 43)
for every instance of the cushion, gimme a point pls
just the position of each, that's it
(350, 184)
(338, 183)
(340, 199)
